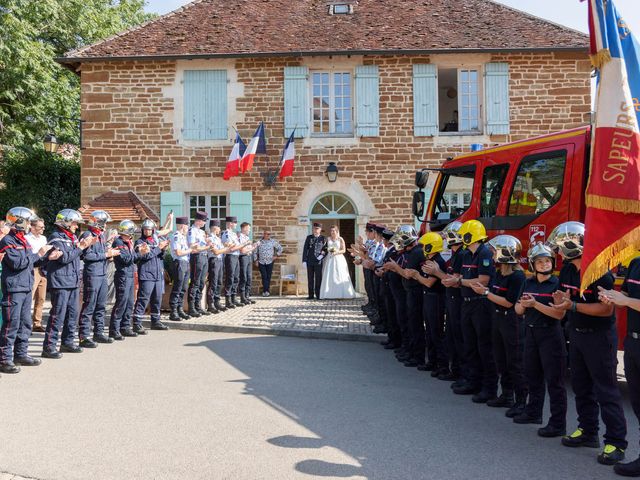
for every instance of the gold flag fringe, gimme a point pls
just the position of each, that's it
(620, 205)
(616, 253)
(600, 58)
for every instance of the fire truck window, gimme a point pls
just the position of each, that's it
(538, 184)
(454, 194)
(492, 184)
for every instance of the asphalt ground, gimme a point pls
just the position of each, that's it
(206, 405)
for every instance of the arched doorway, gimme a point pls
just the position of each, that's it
(334, 208)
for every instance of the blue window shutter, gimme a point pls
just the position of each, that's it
(241, 206)
(367, 101)
(205, 105)
(171, 201)
(296, 98)
(425, 100)
(496, 87)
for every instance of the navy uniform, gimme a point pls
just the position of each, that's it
(414, 259)
(593, 346)
(544, 357)
(198, 266)
(94, 289)
(507, 342)
(433, 307)
(150, 281)
(120, 324)
(369, 245)
(476, 328)
(400, 301)
(63, 281)
(380, 320)
(231, 265)
(631, 286)
(216, 268)
(455, 338)
(180, 272)
(245, 262)
(392, 326)
(17, 282)
(313, 252)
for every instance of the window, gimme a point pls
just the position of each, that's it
(459, 100)
(453, 197)
(205, 105)
(214, 205)
(333, 204)
(340, 9)
(332, 109)
(492, 183)
(538, 184)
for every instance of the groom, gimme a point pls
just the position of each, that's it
(312, 255)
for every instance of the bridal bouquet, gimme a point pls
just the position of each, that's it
(333, 250)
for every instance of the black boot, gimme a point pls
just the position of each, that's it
(193, 312)
(235, 302)
(199, 308)
(218, 306)
(183, 315)
(229, 303)
(243, 300)
(212, 309)
(173, 316)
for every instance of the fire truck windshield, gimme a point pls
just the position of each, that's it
(453, 196)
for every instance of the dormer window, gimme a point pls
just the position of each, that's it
(340, 9)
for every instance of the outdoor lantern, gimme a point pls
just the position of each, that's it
(331, 172)
(50, 143)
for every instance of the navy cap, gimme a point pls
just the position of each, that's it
(231, 219)
(370, 227)
(202, 216)
(214, 223)
(387, 234)
(317, 225)
(379, 229)
(182, 221)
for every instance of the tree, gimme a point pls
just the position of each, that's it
(33, 86)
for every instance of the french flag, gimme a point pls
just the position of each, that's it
(233, 164)
(288, 155)
(257, 145)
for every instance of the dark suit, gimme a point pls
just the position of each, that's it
(313, 248)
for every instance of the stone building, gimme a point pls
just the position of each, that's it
(380, 88)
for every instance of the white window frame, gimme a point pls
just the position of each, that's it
(332, 133)
(479, 69)
(208, 207)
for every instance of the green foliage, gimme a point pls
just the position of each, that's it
(33, 86)
(46, 183)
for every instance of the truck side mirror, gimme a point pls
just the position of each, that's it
(417, 205)
(422, 177)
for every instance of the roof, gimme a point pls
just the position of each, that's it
(121, 206)
(236, 28)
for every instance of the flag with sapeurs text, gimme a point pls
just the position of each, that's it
(288, 157)
(233, 163)
(257, 145)
(612, 219)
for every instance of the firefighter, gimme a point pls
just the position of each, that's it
(544, 354)
(399, 296)
(593, 342)
(482, 378)
(450, 278)
(433, 305)
(629, 297)
(150, 277)
(406, 238)
(392, 326)
(503, 293)
(94, 281)
(18, 262)
(120, 324)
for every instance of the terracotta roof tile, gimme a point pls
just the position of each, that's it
(298, 27)
(121, 206)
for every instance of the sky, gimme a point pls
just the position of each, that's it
(571, 13)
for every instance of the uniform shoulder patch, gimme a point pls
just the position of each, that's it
(486, 262)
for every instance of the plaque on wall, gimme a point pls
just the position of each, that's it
(303, 220)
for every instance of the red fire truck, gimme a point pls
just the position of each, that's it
(525, 189)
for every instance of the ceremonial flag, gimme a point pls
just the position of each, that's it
(612, 218)
(288, 155)
(233, 164)
(257, 145)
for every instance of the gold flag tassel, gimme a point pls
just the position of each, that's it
(600, 58)
(612, 256)
(621, 205)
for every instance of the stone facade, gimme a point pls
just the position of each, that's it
(133, 140)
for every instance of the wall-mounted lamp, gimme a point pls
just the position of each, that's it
(331, 172)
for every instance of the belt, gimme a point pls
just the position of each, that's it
(634, 335)
(541, 325)
(472, 299)
(585, 330)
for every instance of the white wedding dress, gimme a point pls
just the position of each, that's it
(336, 281)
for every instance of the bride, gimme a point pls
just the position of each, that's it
(336, 282)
